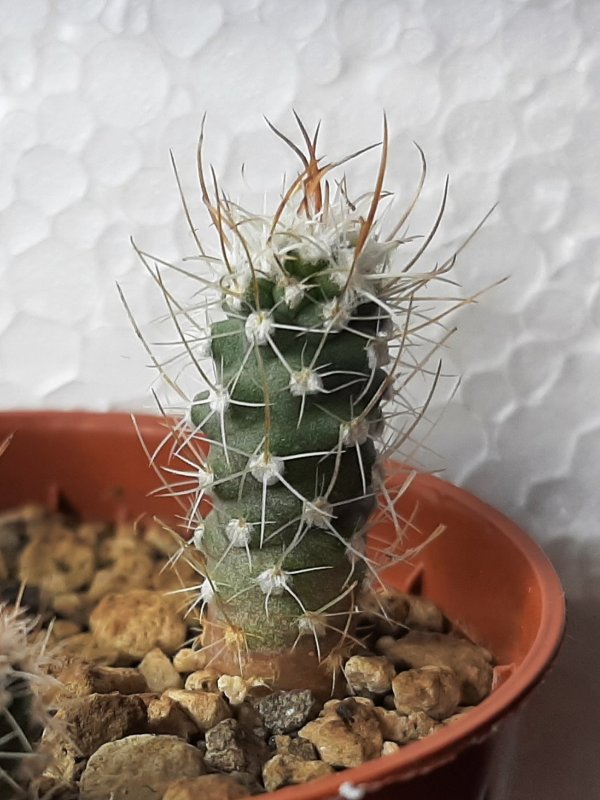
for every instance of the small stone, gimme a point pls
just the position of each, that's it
(203, 680)
(139, 768)
(130, 571)
(99, 718)
(62, 628)
(86, 647)
(284, 712)
(124, 680)
(392, 612)
(136, 622)
(207, 787)
(57, 563)
(205, 708)
(188, 660)
(347, 735)
(79, 678)
(92, 532)
(434, 690)
(230, 747)
(470, 662)
(287, 770)
(369, 674)
(75, 606)
(28, 513)
(64, 759)
(159, 672)
(404, 728)
(389, 748)
(173, 577)
(236, 689)
(165, 716)
(386, 611)
(424, 615)
(301, 748)
(126, 540)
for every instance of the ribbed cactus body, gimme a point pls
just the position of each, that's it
(292, 454)
(321, 328)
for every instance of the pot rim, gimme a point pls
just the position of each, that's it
(429, 753)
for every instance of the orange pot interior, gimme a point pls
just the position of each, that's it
(483, 571)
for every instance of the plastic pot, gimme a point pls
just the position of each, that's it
(485, 573)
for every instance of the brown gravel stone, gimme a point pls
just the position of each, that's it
(404, 728)
(86, 647)
(62, 628)
(136, 622)
(139, 768)
(159, 672)
(130, 571)
(188, 660)
(203, 680)
(75, 606)
(79, 679)
(284, 712)
(470, 662)
(434, 690)
(207, 787)
(165, 716)
(92, 532)
(237, 689)
(389, 748)
(347, 735)
(392, 612)
(230, 747)
(424, 615)
(206, 709)
(373, 674)
(99, 718)
(126, 540)
(64, 759)
(57, 563)
(286, 770)
(301, 748)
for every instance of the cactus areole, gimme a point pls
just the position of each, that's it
(319, 329)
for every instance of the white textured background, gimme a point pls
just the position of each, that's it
(502, 94)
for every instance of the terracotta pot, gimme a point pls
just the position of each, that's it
(483, 571)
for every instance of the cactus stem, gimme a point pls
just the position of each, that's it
(318, 334)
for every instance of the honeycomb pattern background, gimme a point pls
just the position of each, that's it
(501, 94)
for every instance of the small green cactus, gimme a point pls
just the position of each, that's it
(22, 713)
(319, 331)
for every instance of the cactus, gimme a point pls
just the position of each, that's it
(22, 713)
(319, 331)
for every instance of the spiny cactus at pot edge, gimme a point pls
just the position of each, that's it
(22, 713)
(320, 329)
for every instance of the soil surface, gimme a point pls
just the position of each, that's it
(140, 714)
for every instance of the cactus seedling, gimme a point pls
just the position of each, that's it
(322, 324)
(22, 714)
